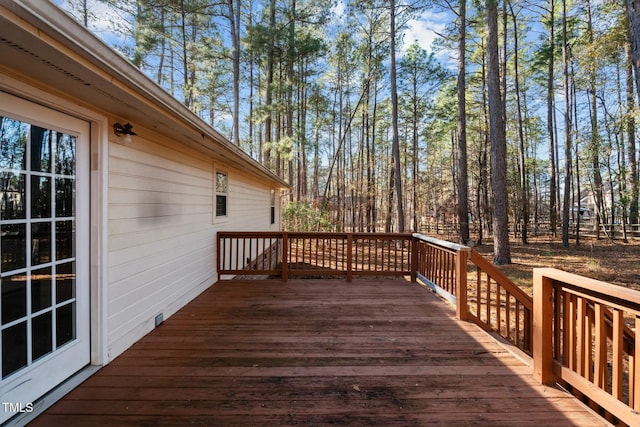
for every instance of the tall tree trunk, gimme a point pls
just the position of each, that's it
(388, 227)
(501, 249)
(172, 70)
(536, 191)
(623, 171)
(416, 157)
(234, 30)
(138, 53)
(303, 176)
(633, 15)
(503, 59)
(567, 129)
(183, 35)
(484, 212)
(576, 181)
(553, 208)
(85, 14)
(315, 187)
(269, 86)
(463, 179)
(524, 183)
(595, 144)
(291, 79)
(612, 197)
(362, 143)
(631, 140)
(371, 170)
(251, 91)
(394, 117)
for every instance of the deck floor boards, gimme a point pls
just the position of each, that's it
(312, 353)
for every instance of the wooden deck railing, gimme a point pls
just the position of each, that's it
(249, 253)
(496, 304)
(303, 254)
(573, 327)
(442, 266)
(587, 335)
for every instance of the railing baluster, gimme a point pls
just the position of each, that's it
(631, 387)
(434, 265)
(519, 337)
(557, 321)
(581, 336)
(268, 248)
(589, 347)
(441, 268)
(478, 291)
(507, 316)
(636, 366)
(528, 330)
(600, 371)
(285, 257)
(498, 308)
(488, 300)
(618, 350)
(349, 255)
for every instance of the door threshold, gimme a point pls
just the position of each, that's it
(49, 399)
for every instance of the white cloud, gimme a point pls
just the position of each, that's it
(338, 8)
(424, 30)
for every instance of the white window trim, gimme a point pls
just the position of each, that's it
(220, 218)
(273, 212)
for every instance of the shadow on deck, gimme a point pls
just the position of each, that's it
(316, 352)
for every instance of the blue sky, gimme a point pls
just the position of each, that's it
(423, 29)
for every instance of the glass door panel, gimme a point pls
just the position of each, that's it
(34, 323)
(44, 316)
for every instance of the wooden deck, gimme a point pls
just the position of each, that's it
(316, 352)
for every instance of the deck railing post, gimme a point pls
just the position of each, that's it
(285, 257)
(349, 257)
(462, 309)
(542, 327)
(219, 252)
(414, 259)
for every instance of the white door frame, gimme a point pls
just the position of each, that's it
(97, 209)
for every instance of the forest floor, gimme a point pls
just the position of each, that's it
(610, 261)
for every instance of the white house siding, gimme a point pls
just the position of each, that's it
(162, 230)
(250, 205)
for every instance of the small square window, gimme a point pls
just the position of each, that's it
(221, 194)
(273, 206)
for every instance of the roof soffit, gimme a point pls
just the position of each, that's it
(45, 44)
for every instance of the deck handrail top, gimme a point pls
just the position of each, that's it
(358, 234)
(606, 291)
(443, 243)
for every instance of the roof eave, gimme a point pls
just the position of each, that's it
(51, 22)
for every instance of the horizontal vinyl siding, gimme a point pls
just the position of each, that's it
(250, 204)
(162, 230)
(161, 238)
